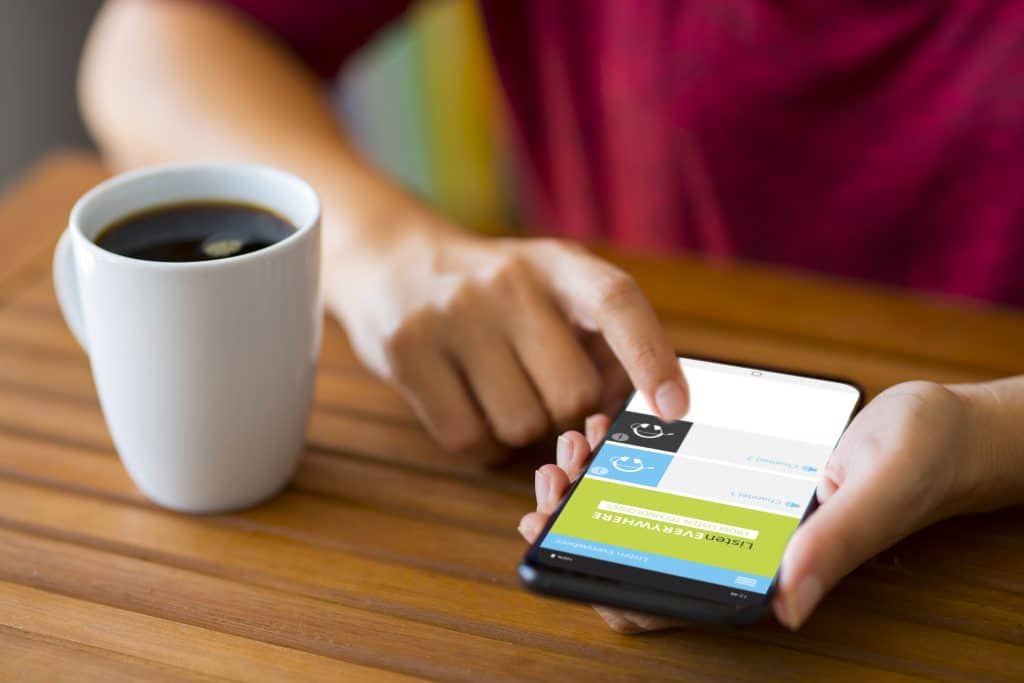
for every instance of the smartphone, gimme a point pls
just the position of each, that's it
(689, 519)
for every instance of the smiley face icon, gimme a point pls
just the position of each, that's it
(629, 464)
(649, 430)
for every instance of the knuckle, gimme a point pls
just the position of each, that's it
(403, 338)
(577, 401)
(371, 351)
(920, 390)
(620, 623)
(615, 288)
(812, 536)
(554, 244)
(835, 471)
(650, 622)
(621, 626)
(643, 353)
(458, 302)
(557, 246)
(462, 437)
(927, 405)
(507, 275)
(524, 431)
(510, 265)
(871, 447)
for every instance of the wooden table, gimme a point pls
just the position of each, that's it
(386, 559)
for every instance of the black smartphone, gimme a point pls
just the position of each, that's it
(690, 519)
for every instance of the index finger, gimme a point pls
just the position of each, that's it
(602, 298)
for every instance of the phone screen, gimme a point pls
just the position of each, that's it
(705, 505)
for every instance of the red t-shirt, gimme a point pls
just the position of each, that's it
(881, 140)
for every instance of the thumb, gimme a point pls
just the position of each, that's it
(858, 520)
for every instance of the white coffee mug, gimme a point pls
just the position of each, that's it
(204, 369)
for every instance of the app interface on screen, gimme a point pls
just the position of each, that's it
(714, 497)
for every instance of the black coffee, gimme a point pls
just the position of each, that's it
(198, 231)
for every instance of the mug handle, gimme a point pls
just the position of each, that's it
(65, 281)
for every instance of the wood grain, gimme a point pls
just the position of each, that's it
(200, 652)
(832, 312)
(346, 580)
(34, 212)
(385, 559)
(34, 657)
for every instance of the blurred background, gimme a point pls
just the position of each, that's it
(40, 41)
(419, 100)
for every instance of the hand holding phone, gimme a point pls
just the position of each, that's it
(573, 453)
(690, 518)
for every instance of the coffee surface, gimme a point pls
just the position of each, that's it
(194, 232)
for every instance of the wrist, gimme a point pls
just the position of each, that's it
(993, 472)
(383, 224)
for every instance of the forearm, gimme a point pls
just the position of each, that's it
(166, 81)
(995, 443)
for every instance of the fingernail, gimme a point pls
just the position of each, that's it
(540, 486)
(552, 494)
(563, 452)
(529, 530)
(670, 400)
(805, 597)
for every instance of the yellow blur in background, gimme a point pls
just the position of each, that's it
(422, 103)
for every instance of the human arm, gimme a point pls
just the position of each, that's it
(491, 340)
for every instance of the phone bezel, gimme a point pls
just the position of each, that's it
(558, 582)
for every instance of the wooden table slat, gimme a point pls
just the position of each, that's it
(832, 311)
(170, 643)
(346, 580)
(35, 211)
(325, 571)
(386, 558)
(290, 619)
(100, 475)
(34, 657)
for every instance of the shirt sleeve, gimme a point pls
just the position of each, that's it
(321, 32)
